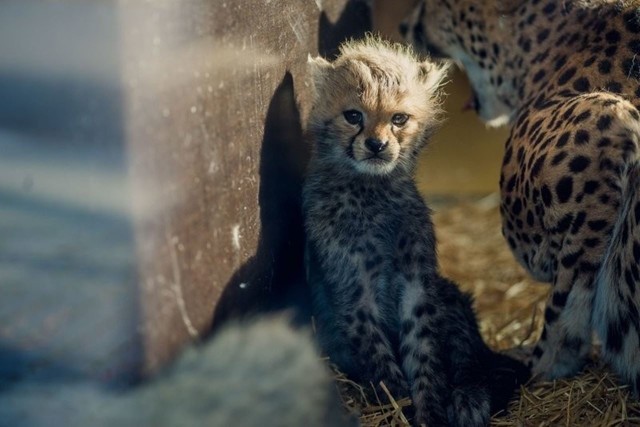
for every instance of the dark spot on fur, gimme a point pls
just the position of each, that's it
(538, 76)
(570, 260)
(613, 87)
(592, 242)
(597, 225)
(604, 66)
(559, 299)
(582, 117)
(591, 187)
(537, 166)
(632, 21)
(578, 222)
(579, 163)
(564, 189)
(546, 196)
(558, 158)
(604, 122)
(610, 51)
(582, 137)
(550, 316)
(581, 84)
(563, 139)
(612, 37)
(542, 35)
(517, 207)
(566, 76)
(549, 8)
(563, 225)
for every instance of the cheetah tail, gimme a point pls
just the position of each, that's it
(617, 299)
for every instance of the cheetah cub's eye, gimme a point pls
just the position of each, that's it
(399, 119)
(353, 117)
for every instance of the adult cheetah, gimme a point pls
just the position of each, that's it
(565, 75)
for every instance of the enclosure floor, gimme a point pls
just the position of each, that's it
(509, 305)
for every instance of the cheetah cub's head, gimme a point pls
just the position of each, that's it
(374, 107)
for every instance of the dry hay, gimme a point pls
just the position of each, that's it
(510, 305)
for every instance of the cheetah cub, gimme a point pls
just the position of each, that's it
(382, 310)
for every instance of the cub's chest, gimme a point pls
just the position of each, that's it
(372, 209)
(354, 213)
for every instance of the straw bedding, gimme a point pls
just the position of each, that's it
(509, 306)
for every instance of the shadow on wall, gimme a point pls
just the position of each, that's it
(275, 271)
(273, 279)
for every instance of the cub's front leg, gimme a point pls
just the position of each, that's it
(348, 318)
(421, 353)
(421, 341)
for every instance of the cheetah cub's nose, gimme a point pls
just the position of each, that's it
(375, 145)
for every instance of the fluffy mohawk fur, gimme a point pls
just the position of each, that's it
(395, 58)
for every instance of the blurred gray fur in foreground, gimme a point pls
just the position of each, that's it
(262, 374)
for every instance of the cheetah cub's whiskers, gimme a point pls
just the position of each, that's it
(382, 310)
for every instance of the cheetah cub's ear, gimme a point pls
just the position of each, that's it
(318, 68)
(432, 74)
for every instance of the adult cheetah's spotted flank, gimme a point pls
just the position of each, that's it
(566, 76)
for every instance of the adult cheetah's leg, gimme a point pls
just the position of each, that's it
(566, 337)
(561, 193)
(617, 303)
(612, 131)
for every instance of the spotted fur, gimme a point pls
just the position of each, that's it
(382, 311)
(565, 75)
